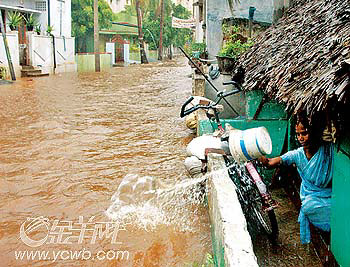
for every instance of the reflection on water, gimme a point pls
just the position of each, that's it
(68, 140)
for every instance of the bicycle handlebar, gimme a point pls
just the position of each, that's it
(223, 94)
(230, 82)
(183, 111)
(220, 96)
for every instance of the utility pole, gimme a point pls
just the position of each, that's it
(160, 51)
(96, 39)
(139, 24)
(13, 76)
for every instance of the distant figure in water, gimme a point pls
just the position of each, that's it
(314, 161)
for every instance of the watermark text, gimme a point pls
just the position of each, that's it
(62, 255)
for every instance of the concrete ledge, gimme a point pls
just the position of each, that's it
(231, 241)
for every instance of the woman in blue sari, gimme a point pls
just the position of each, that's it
(314, 162)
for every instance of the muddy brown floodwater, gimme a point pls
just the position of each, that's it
(67, 141)
(66, 144)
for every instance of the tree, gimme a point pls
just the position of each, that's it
(83, 20)
(142, 7)
(139, 25)
(160, 51)
(171, 36)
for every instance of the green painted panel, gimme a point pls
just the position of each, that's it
(270, 110)
(277, 130)
(218, 249)
(340, 219)
(86, 62)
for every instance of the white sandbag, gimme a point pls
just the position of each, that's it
(198, 145)
(193, 165)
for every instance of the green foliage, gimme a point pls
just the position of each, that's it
(233, 49)
(147, 6)
(129, 10)
(3, 73)
(15, 19)
(38, 29)
(134, 48)
(234, 43)
(200, 47)
(31, 21)
(49, 29)
(209, 262)
(83, 19)
(191, 48)
(171, 36)
(230, 31)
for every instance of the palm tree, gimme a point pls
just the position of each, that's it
(139, 25)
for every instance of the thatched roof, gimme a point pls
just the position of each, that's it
(303, 60)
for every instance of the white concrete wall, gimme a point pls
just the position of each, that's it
(60, 15)
(41, 53)
(231, 241)
(65, 58)
(12, 40)
(216, 10)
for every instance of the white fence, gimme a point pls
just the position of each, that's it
(12, 40)
(41, 53)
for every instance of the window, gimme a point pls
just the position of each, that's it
(40, 5)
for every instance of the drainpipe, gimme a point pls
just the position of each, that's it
(48, 13)
(51, 35)
(54, 52)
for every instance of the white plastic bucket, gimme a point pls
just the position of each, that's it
(249, 144)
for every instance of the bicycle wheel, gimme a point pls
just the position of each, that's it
(266, 220)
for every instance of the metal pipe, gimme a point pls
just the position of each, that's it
(206, 78)
(54, 53)
(48, 13)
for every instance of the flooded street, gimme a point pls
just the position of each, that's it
(67, 142)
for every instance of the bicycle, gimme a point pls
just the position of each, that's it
(256, 201)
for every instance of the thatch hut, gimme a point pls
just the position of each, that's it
(304, 59)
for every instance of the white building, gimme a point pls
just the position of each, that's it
(56, 13)
(188, 4)
(40, 50)
(118, 5)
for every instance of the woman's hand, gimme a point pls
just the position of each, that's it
(264, 161)
(270, 163)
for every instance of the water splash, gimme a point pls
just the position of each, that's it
(148, 201)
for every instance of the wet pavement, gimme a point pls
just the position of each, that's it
(68, 140)
(289, 252)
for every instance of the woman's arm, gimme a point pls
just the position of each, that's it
(270, 163)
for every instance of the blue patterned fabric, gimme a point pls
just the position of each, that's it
(315, 193)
